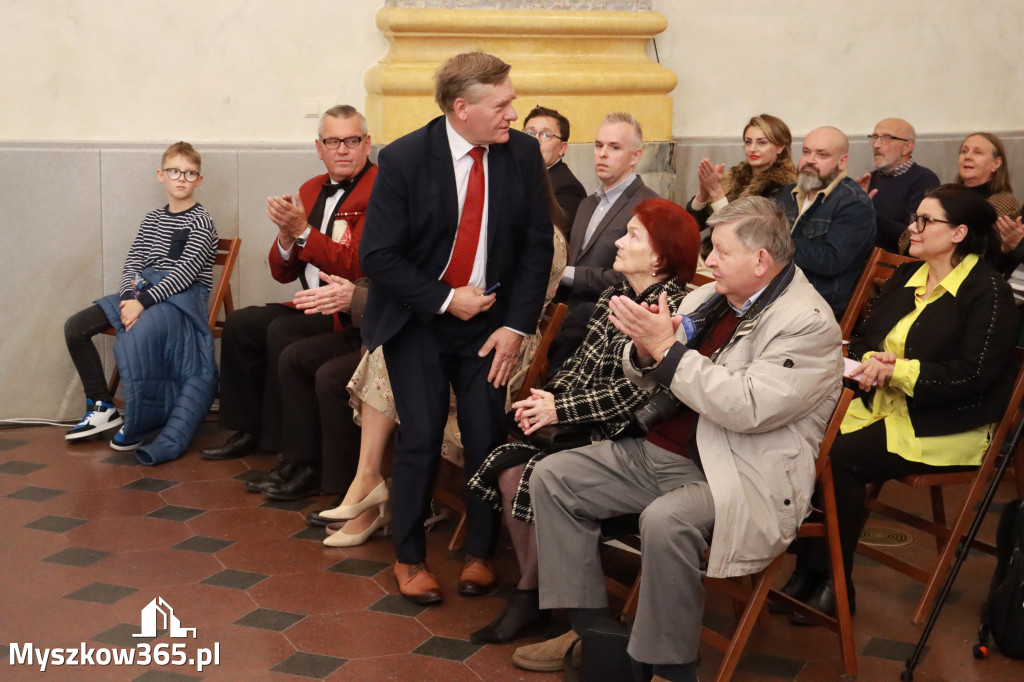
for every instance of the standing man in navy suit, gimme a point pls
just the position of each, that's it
(458, 247)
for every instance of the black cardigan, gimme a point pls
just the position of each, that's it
(965, 345)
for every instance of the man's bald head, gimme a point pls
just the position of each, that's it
(823, 158)
(892, 143)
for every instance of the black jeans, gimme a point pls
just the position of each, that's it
(78, 332)
(858, 458)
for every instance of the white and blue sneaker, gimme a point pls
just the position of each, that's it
(99, 417)
(118, 442)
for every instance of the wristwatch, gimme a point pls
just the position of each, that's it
(301, 239)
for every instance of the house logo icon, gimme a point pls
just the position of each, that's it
(154, 610)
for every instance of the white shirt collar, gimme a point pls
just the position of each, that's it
(457, 143)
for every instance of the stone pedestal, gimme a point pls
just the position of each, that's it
(584, 63)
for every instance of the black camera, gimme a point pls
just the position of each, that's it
(660, 407)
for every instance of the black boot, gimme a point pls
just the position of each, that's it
(801, 585)
(824, 600)
(520, 613)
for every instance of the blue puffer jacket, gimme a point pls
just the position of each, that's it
(833, 239)
(167, 369)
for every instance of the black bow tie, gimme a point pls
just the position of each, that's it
(330, 190)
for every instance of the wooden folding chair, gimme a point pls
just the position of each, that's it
(549, 324)
(750, 601)
(227, 256)
(880, 266)
(947, 537)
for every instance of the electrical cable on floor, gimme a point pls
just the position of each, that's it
(35, 421)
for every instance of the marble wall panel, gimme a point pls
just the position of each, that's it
(264, 173)
(51, 251)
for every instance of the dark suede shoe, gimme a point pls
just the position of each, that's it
(279, 474)
(304, 482)
(238, 445)
(801, 585)
(824, 600)
(521, 613)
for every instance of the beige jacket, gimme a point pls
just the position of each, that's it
(763, 402)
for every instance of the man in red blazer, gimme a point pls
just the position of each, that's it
(318, 237)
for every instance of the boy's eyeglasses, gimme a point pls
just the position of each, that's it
(334, 142)
(175, 173)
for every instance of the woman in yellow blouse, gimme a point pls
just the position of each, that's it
(935, 373)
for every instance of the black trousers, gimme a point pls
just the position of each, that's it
(250, 391)
(423, 361)
(78, 332)
(858, 458)
(317, 426)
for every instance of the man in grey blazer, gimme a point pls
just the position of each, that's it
(600, 221)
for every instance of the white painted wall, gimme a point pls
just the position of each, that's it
(216, 70)
(944, 65)
(234, 71)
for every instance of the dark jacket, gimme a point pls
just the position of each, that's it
(167, 369)
(411, 223)
(964, 344)
(568, 190)
(833, 239)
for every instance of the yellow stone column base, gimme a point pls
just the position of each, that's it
(584, 64)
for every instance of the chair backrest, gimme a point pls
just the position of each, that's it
(227, 256)
(699, 280)
(832, 429)
(550, 323)
(880, 266)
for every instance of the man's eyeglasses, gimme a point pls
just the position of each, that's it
(886, 139)
(923, 221)
(350, 142)
(175, 173)
(542, 134)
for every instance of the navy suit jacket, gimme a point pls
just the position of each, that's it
(412, 220)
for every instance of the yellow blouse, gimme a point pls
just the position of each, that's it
(890, 403)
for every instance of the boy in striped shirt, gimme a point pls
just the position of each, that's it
(178, 240)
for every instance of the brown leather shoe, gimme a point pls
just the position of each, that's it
(416, 583)
(477, 577)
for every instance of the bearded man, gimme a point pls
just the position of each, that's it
(831, 218)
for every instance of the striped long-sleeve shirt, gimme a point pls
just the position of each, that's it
(183, 244)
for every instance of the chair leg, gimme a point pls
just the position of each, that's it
(948, 551)
(459, 536)
(755, 605)
(938, 512)
(842, 599)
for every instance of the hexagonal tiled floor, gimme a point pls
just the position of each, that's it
(89, 539)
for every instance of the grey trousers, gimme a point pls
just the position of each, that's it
(573, 490)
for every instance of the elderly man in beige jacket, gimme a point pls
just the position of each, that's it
(730, 464)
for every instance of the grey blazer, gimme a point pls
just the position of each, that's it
(593, 262)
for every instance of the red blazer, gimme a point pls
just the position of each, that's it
(323, 252)
(320, 250)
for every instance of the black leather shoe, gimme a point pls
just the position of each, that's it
(800, 586)
(313, 518)
(305, 482)
(238, 445)
(279, 474)
(824, 600)
(521, 613)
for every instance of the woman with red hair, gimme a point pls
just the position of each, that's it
(657, 254)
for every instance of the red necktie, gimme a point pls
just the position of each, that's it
(466, 239)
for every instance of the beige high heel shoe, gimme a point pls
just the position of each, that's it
(340, 538)
(377, 496)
